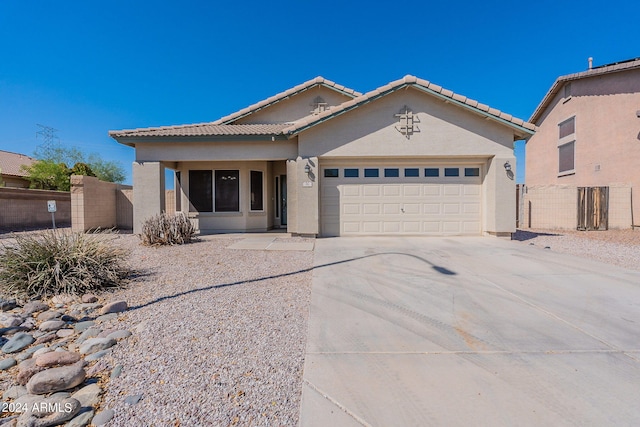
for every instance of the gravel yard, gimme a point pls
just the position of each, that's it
(219, 336)
(617, 247)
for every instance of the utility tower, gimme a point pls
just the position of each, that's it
(48, 134)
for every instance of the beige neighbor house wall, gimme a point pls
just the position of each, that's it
(22, 209)
(607, 148)
(98, 204)
(446, 133)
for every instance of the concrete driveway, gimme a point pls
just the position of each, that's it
(469, 331)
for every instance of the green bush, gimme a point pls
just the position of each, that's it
(166, 229)
(52, 262)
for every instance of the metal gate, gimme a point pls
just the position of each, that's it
(593, 208)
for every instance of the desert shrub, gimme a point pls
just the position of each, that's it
(52, 262)
(167, 229)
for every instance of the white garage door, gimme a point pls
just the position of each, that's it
(425, 199)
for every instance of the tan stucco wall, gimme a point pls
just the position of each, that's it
(607, 135)
(98, 204)
(296, 107)
(217, 150)
(148, 192)
(303, 196)
(22, 208)
(445, 132)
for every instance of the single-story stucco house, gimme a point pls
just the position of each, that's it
(321, 159)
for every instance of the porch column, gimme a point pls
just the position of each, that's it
(302, 196)
(500, 197)
(148, 192)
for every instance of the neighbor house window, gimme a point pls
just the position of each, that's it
(331, 173)
(566, 128)
(256, 191)
(351, 173)
(227, 187)
(566, 157)
(200, 190)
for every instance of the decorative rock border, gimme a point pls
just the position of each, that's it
(52, 354)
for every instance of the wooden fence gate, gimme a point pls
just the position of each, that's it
(593, 208)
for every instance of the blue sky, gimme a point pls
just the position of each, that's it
(85, 67)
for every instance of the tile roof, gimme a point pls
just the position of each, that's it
(202, 129)
(524, 128)
(318, 81)
(595, 71)
(10, 163)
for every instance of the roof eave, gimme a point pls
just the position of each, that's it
(131, 141)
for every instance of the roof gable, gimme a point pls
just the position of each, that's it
(615, 67)
(520, 128)
(262, 105)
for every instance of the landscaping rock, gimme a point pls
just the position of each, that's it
(42, 350)
(10, 320)
(63, 299)
(96, 344)
(103, 417)
(89, 298)
(83, 326)
(30, 323)
(51, 411)
(18, 342)
(88, 395)
(48, 315)
(118, 335)
(34, 306)
(97, 355)
(57, 379)
(63, 333)
(7, 363)
(7, 304)
(133, 399)
(82, 419)
(26, 370)
(51, 325)
(116, 372)
(54, 358)
(106, 317)
(114, 307)
(15, 392)
(46, 338)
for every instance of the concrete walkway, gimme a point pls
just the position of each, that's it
(469, 331)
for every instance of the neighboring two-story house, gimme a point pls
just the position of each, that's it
(582, 163)
(321, 159)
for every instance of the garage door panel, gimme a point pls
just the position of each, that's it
(431, 190)
(351, 209)
(391, 208)
(411, 191)
(452, 190)
(432, 208)
(411, 208)
(391, 190)
(401, 205)
(371, 190)
(371, 226)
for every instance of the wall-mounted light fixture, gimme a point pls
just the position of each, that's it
(507, 166)
(307, 169)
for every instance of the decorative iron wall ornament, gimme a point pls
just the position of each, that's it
(319, 105)
(407, 122)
